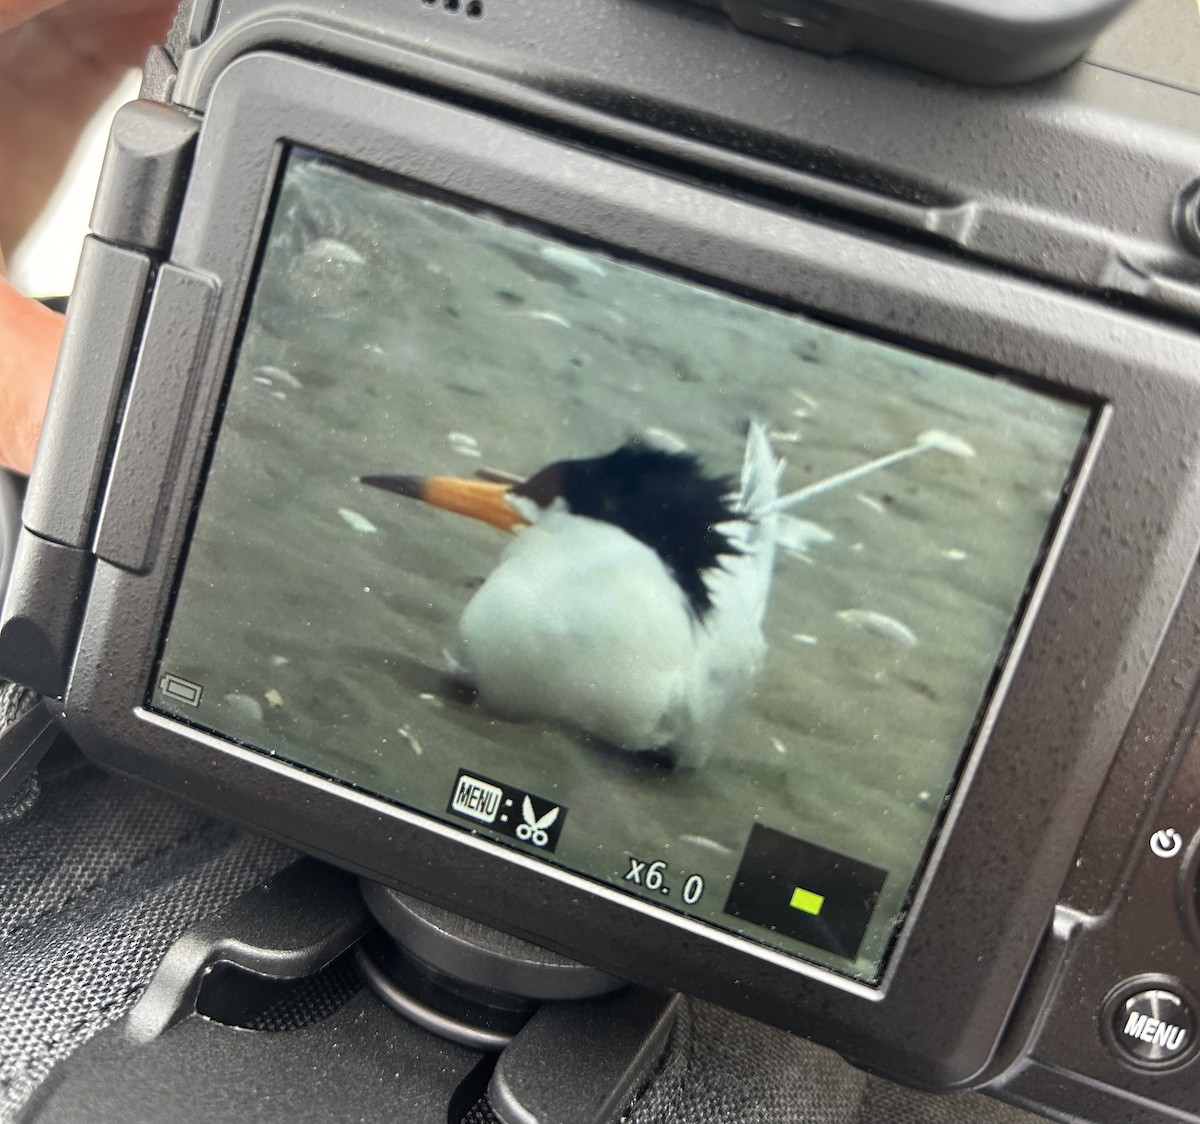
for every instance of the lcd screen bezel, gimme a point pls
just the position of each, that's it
(960, 937)
(984, 688)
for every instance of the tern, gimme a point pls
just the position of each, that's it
(629, 602)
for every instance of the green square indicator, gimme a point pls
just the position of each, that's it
(805, 891)
(807, 901)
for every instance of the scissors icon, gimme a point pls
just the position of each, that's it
(533, 830)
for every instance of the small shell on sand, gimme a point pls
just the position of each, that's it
(411, 738)
(800, 534)
(879, 624)
(665, 440)
(277, 376)
(706, 843)
(244, 706)
(548, 316)
(946, 443)
(359, 523)
(576, 261)
(332, 251)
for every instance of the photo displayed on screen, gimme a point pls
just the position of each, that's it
(686, 594)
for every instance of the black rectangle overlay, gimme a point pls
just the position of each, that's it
(794, 887)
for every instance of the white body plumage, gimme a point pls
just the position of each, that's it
(582, 623)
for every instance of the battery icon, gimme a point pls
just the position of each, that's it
(806, 901)
(181, 690)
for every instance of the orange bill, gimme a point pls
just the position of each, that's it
(485, 500)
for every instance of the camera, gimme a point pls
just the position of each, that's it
(724, 514)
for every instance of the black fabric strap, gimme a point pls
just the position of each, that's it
(101, 876)
(96, 882)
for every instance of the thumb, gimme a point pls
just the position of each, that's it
(30, 335)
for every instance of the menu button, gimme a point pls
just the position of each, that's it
(1153, 1026)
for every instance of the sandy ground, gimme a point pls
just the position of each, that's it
(397, 335)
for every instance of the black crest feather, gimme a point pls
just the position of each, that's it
(663, 499)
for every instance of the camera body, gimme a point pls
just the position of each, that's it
(1043, 941)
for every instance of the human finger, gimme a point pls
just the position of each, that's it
(56, 66)
(30, 336)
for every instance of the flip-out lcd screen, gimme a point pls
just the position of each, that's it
(697, 598)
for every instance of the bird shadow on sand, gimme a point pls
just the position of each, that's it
(460, 696)
(650, 764)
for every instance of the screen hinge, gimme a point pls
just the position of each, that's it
(146, 167)
(157, 410)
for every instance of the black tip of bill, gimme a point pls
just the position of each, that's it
(411, 486)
